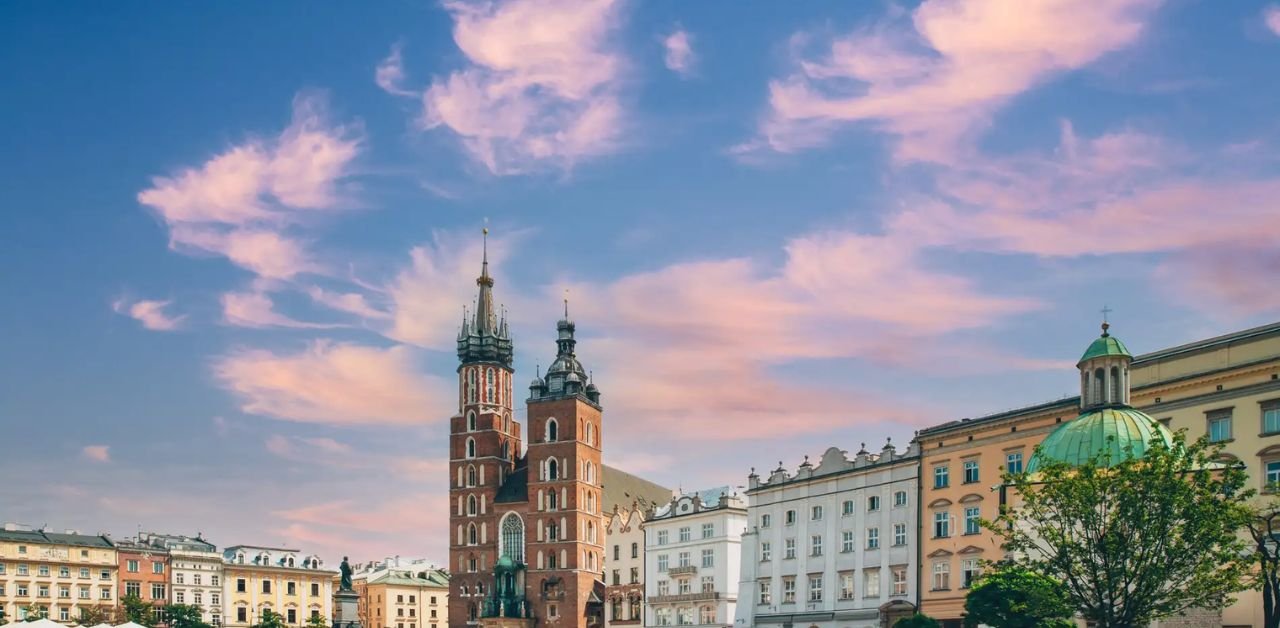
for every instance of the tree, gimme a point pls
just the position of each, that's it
(138, 611)
(1264, 528)
(185, 616)
(316, 621)
(1143, 539)
(270, 619)
(34, 611)
(1010, 596)
(94, 615)
(919, 620)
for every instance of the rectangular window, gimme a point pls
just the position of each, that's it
(240, 586)
(215, 599)
(815, 587)
(22, 590)
(104, 593)
(873, 503)
(941, 525)
(133, 588)
(84, 572)
(765, 520)
(315, 590)
(941, 476)
(766, 551)
(791, 517)
(131, 566)
(871, 583)
(873, 538)
(617, 577)
(685, 534)
(291, 588)
(708, 558)
(242, 614)
(846, 586)
(635, 575)
(662, 537)
(22, 549)
(293, 615)
(970, 471)
(1219, 426)
(42, 590)
(708, 530)
(157, 591)
(815, 513)
(44, 570)
(64, 613)
(708, 584)
(23, 570)
(941, 576)
(899, 534)
(179, 597)
(791, 548)
(178, 578)
(84, 593)
(1271, 417)
(815, 545)
(157, 567)
(846, 507)
(846, 541)
(788, 590)
(105, 574)
(1273, 474)
(64, 592)
(766, 593)
(213, 581)
(198, 597)
(664, 587)
(684, 587)
(899, 499)
(684, 559)
(971, 516)
(662, 563)
(969, 570)
(1, 569)
(64, 572)
(266, 586)
(1013, 462)
(195, 579)
(899, 580)
(617, 552)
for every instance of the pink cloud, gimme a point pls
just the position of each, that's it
(678, 52)
(240, 203)
(97, 453)
(389, 75)
(1271, 17)
(540, 87)
(151, 314)
(306, 448)
(349, 302)
(935, 81)
(1226, 281)
(256, 309)
(332, 382)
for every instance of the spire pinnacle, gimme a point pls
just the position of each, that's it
(1105, 325)
(566, 304)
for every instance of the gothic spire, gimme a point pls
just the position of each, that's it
(485, 338)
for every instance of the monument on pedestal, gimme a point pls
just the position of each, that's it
(346, 602)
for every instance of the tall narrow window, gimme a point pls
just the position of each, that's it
(471, 473)
(553, 469)
(471, 448)
(471, 421)
(488, 386)
(1099, 386)
(553, 431)
(1115, 386)
(513, 537)
(472, 510)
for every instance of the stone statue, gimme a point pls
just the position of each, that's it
(345, 568)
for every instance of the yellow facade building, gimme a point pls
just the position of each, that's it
(284, 581)
(59, 576)
(402, 594)
(1227, 387)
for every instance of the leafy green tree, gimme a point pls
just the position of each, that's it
(317, 621)
(137, 610)
(1264, 529)
(270, 619)
(919, 620)
(1143, 539)
(1009, 596)
(94, 615)
(185, 616)
(34, 612)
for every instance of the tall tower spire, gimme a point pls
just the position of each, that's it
(484, 339)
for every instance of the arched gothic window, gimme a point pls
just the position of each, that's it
(472, 510)
(553, 431)
(505, 450)
(471, 421)
(471, 609)
(472, 385)
(553, 531)
(513, 537)
(552, 469)
(473, 536)
(471, 448)
(488, 386)
(552, 498)
(471, 475)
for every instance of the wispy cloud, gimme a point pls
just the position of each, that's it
(331, 382)
(243, 203)
(97, 453)
(151, 314)
(1271, 17)
(389, 75)
(306, 448)
(934, 80)
(678, 52)
(256, 309)
(349, 302)
(541, 87)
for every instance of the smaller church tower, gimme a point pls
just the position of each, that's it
(567, 535)
(1104, 372)
(484, 444)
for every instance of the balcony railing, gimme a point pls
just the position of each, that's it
(680, 571)
(697, 596)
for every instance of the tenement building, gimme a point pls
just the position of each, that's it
(692, 559)
(144, 574)
(832, 545)
(284, 581)
(629, 499)
(526, 523)
(61, 576)
(195, 572)
(1227, 388)
(402, 593)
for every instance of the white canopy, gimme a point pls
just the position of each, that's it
(43, 622)
(125, 625)
(103, 625)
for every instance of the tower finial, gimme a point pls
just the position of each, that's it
(566, 304)
(1105, 325)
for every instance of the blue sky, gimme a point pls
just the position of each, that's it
(238, 238)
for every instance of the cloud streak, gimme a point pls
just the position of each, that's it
(150, 313)
(97, 453)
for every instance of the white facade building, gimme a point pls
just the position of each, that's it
(195, 572)
(624, 567)
(692, 559)
(832, 545)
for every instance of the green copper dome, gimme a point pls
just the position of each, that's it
(1106, 344)
(1101, 431)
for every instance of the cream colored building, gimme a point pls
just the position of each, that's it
(624, 567)
(1227, 387)
(62, 575)
(402, 593)
(285, 581)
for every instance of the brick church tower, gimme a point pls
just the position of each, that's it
(526, 528)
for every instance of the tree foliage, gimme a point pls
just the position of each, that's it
(1143, 539)
(94, 615)
(919, 620)
(1264, 529)
(185, 616)
(270, 619)
(137, 610)
(34, 612)
(317, 621)
(1010, 596)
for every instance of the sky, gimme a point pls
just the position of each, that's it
(238, 237)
